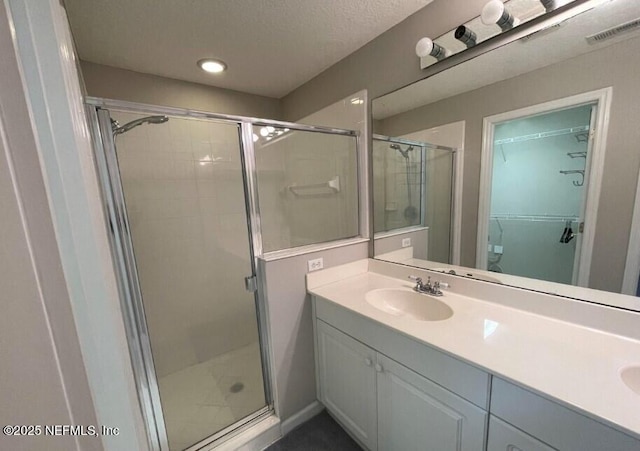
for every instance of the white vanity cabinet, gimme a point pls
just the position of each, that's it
(347, 382)
(397, 383)
(504, 437)
(549, 422)
(387, 406)
(416, 414)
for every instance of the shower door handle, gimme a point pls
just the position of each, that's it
(251, 283)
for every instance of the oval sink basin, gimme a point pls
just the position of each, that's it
(631, 377)
(404, 302)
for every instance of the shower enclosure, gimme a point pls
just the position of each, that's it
(413, 187)
(181, 192)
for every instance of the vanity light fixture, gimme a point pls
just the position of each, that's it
(495, 12)
(269, 132)
(212, 66)
(550, 5)
(466, 36)
(426, 47)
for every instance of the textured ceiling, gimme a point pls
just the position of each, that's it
(270, 46)
(540, 50)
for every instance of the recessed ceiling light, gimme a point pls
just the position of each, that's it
(212, 66)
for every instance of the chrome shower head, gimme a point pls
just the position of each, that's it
(404, 153)
(117, 129)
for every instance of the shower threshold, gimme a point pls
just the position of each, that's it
(246, 430)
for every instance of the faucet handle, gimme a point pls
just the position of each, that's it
(419, 286)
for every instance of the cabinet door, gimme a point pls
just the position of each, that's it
(417, 414)
(504, 437)
(347, 382)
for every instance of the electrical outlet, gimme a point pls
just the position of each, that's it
(497, 249)
(315, 264)
(406, 242)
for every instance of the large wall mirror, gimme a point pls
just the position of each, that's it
(520, 166)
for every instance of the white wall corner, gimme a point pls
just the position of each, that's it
(45, 51)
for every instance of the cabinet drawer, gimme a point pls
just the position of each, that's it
(554, 424)
(461, 378)
(504, 437)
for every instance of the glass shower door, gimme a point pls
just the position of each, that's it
(183, 188)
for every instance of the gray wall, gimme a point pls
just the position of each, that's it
(42, 376)
(419, 243)
(386, 63)
(291, 327)
(113, 83)
(615, 66)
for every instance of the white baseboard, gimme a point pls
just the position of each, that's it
(301, 416)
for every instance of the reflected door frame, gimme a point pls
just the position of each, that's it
(593, 176)
(630, 282)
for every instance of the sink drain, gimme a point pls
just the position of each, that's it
(237, 387)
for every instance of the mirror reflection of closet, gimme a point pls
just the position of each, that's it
(538, 194)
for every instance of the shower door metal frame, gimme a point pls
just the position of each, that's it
(124, 258)
(128, 284)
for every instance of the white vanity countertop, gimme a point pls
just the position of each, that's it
(576, 365)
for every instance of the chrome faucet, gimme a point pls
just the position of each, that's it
(428, 288)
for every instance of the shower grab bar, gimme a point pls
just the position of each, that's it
(333, 185)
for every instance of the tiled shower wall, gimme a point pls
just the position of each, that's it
(392, 181)
(293, 215)
(185, 202)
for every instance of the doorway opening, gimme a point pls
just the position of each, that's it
(539, 191)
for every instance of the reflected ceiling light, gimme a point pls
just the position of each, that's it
(212, 66)
(495, 12)
(489, 328)
(466, 36)
(357, 101)
(550, 5)
(426, 47)
(268, 132)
